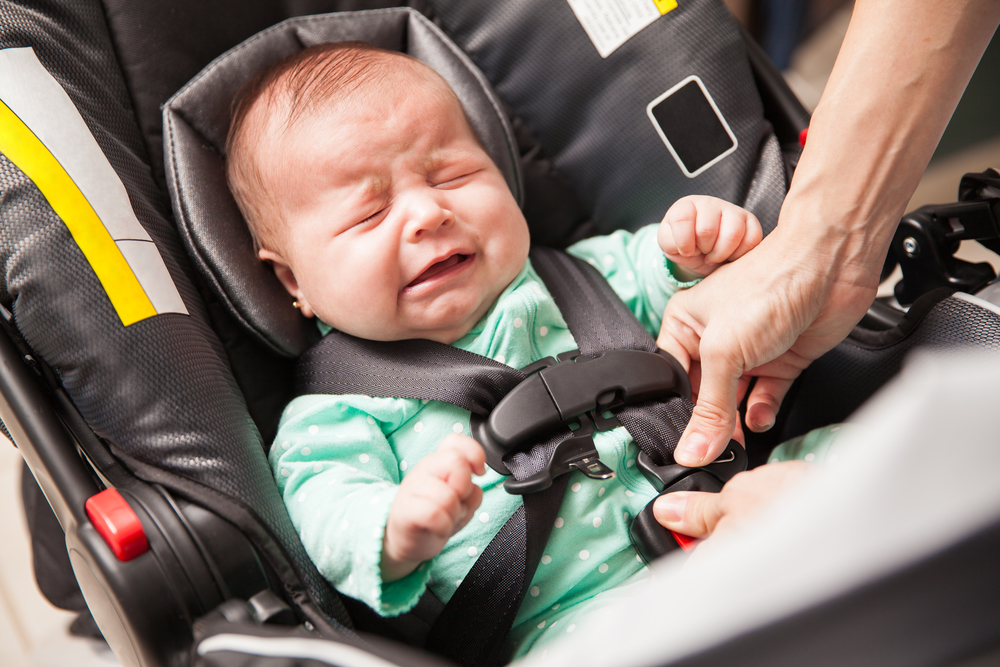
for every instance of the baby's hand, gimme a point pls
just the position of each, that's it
(434, 502)
(698, 233)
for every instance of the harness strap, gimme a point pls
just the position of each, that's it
(473, 626)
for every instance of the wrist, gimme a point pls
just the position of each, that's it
(392, 568)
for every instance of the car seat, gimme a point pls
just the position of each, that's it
(170, 402)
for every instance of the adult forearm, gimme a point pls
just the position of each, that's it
(899, 75)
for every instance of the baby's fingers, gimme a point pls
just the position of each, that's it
(752, 237)
(677, 231)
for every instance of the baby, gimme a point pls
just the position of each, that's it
(384, 217)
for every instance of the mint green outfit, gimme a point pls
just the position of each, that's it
(338, 461)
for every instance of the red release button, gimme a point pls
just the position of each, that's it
(117, 524)
(802, 137)
(685, 542)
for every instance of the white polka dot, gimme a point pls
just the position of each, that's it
(629, 493)
(630, 463)
(600, 492)
(534, 591)
(571, 628)
(318, 467)
(649, 290)
(518, 322)
(425, 401)
(403, 465)
(538, 288)
(343, 408)
(473, 552)
(502, 359)
(591, 262)
(371, 420)
(597, 522)
(554, 607)
(630, 275)
(626, 516)
(810, 457)
(458, 582)
(289, 410)
(357, 559)
(484, 517)
(544, 331)
(457, 428)
(364, 458)
(609, 259)
(546, 559)
(327, 550)
(285, 472)
(559, 521)
(638, 558)
(302, 497)
(344, 525)
(313, 430)
(584, 555)
(541, 625)
(775, 460)
(576, 487)
(285, 445)
(350, 580)
(352, 468)
(834, 429)
(418, 427)
(306, 451)
(603, 568)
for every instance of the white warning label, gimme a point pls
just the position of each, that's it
(611, 23)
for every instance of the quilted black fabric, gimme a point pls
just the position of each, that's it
(598, 135)
(836, 384)
(158, 392)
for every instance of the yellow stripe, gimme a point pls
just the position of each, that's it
(25, 150)
(665, 5)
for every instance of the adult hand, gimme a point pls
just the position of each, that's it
(773, 311)
(701, 514)
(767, 315)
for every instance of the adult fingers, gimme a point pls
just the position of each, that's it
(691, 513)
(714, 418)
(764, 402)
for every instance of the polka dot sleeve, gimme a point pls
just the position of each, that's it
(635, 268)
(338, 476)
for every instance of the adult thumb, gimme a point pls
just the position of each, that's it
(714, 418)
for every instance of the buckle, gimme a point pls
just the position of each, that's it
(650, 539)
(579, 392)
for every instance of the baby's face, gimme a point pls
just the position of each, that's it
(397, 223)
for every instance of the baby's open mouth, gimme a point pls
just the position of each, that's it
(439, 268)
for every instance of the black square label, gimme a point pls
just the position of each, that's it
(691, 126)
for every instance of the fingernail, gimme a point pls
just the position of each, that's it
(762, 426)
(693, 450)
(670, 508)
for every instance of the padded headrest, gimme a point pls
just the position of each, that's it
(196, 121)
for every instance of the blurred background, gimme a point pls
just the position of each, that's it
(801, 36)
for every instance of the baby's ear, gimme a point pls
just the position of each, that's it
(287, 277)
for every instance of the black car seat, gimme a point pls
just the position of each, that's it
(174, 409)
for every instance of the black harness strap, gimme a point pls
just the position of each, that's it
(473, 626)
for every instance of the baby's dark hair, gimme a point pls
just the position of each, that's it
(296, 85)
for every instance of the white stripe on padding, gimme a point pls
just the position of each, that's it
(330, 652)
(147, 264)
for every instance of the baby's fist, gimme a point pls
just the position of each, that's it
(434, 502)
(699, 233)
